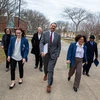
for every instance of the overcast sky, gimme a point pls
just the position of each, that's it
(53, 9)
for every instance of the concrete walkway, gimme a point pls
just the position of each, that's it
(34, 88)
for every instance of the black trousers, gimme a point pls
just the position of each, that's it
(38, 59)
(13, 67)
(86, 67)
(7, 63)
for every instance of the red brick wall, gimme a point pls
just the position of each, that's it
(2, 23)
(23, 24)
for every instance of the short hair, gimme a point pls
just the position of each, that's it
(79, 36)
(6, 29)
(54, 23)
(92, 37)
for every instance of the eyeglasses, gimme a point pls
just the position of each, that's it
(53, 26)
(18, 32)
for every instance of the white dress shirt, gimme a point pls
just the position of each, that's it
(17, 53)
(79, 51)
(39, 36)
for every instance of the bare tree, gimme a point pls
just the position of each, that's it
(3, 4)
(66, 29)
(77, 15)
(3, 8)
(35, 19)
(12, 8)
(9, 8)
(91, 26)
(60, 26)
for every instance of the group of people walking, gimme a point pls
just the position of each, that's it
(17, 48)
(49, 59)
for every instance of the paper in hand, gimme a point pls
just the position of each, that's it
(46, 48)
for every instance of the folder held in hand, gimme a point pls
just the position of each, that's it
(96, 62)
(46, 48)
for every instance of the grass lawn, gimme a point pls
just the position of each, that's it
(1, 36)
(2, 55)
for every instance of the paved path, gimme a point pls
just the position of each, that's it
(34, 88)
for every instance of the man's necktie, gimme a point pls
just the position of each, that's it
(51, 38)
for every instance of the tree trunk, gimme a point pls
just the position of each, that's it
(76, 28)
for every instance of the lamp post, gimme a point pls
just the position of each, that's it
(19, 13)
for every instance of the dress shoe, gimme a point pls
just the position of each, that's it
(45, 78)
(35, 67)
(69, 78)
(11, 87)
(40, 69)
(7, 69)
(75, 89)
(83, 73)
(48, 89)
(20, 82)
(88, 75)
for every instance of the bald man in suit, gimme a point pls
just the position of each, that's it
(35, 48)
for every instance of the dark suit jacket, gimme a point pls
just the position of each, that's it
(91, 50)
(35, 44)
(24, 47)
(55, 47)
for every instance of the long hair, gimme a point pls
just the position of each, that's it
(23, 32)
(6, 29)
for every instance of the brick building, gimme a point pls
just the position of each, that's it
(2, 23)
(23, 24)
(12, 24)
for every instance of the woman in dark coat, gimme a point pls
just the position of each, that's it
(5, 44)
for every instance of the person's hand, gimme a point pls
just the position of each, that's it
(68, 61)
(42, 54)
(2, 47)
(23, 60)
(86, 62)
(8, 58)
